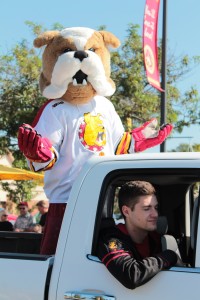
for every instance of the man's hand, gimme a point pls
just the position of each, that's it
(169, 258)
(147, 136)
(33, 146)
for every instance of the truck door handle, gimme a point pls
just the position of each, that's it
(86, 296)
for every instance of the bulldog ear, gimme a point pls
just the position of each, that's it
(110, 39)
(45, 38)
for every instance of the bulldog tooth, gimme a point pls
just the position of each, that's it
(74, 81)
(84, 82)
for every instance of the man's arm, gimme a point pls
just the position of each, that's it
(128, 270)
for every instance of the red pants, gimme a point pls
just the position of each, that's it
(52, 228)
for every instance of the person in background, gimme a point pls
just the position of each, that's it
(43, 207)
(132, 251)
(25, 220)
(5, 225)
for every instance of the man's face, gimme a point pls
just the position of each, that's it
(4, 217)
(144, 215)
(42, 209)
(23, 210)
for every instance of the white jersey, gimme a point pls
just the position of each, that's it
(76, 132)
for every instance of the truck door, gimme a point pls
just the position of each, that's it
(83, 276)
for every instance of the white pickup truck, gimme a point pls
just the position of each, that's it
(75, 272)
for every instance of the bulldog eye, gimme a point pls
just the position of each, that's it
(67, 50)
(92, 49)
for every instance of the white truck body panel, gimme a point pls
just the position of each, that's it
(19, 276)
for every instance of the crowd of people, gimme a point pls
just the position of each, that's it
(25, 222)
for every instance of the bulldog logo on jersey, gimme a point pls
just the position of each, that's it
(92, 132)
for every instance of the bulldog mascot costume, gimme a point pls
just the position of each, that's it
(77, 121)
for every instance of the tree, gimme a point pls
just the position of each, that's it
(20, 97)
(187, 148)
(19, 190)
(20, 100)
(137, 100)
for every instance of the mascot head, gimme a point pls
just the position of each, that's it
(76, 64)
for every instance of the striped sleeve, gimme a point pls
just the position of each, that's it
(124, 144)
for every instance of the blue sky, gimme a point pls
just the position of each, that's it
(182, 31)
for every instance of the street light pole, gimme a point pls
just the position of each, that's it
(164, 72)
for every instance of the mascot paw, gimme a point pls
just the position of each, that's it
(147, 136)
(33, 146)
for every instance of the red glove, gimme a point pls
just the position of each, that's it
(33, 146)
(147, 136)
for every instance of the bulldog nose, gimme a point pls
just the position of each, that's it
(80, 55)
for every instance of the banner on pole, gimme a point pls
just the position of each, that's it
(150, 50)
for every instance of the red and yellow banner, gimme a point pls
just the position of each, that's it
(150, 42)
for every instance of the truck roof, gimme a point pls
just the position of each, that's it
(173, 156)
(148, 161)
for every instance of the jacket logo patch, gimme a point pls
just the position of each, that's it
(114, 245)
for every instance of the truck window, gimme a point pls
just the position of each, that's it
(172, 187)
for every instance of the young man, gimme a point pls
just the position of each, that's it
(24, 221)
(132, 251)
(5, 225)
(43, 207)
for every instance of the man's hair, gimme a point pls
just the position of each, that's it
(43, 203)
(131, 191)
